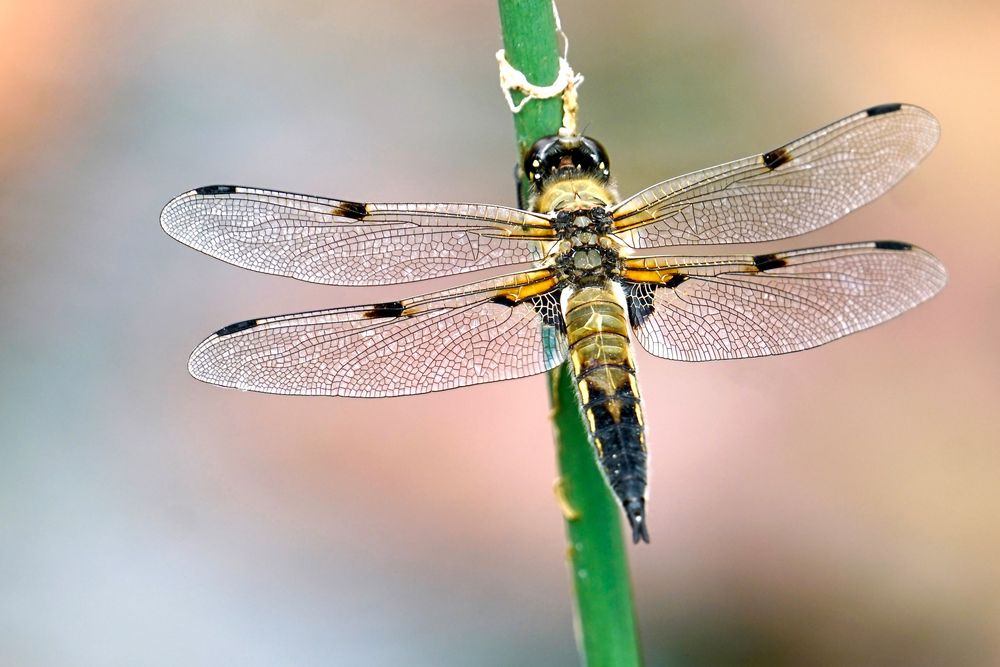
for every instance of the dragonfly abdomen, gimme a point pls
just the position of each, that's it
(604, 373)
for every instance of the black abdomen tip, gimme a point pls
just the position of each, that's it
(635, 510)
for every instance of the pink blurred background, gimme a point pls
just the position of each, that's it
(838, 506)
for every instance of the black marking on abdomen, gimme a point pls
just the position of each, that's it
(621, 448)
(591, 370)
(350, 209)
(388, 309)
(776, 158)
(624, 398)
(768, 262)
(613, 415)
(620, 432)
(883, 108)
(235, 327)
(216, 190)
(893, 245)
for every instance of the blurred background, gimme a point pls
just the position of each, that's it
(838, 506)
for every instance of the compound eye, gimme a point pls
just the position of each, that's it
(596, 153)
(537, 157)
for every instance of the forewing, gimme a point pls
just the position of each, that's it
(791, 190)
(493, 330)
(349, 243)
(706, 308)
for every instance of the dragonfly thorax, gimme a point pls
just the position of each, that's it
(585, 253)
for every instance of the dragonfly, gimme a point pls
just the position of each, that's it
(582, 276)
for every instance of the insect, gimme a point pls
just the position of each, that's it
(582, 289)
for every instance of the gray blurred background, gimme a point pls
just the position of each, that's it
(838, 506)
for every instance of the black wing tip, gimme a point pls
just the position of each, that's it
(881, 109)
(236, 327)
(635, 510)
(216, 190)
(894, 245)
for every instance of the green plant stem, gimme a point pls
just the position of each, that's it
(532, 46)
(606, 625)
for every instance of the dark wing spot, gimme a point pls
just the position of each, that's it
(893, 245)
(546, 305)
(216, 190)
(549, 309)
(676, 280)
(350, 209)
(777, 157)
(238, 326)
(389, 309)
(884, 108)
(639, 297)
(504, 300)
(768, 262)
(606, 419)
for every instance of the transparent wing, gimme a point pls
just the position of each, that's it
(349, 243)
(493, 330)
(788, 191)
(705, 308)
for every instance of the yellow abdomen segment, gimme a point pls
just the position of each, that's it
(601, 359)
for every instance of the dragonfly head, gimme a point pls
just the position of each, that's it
(563, 157)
